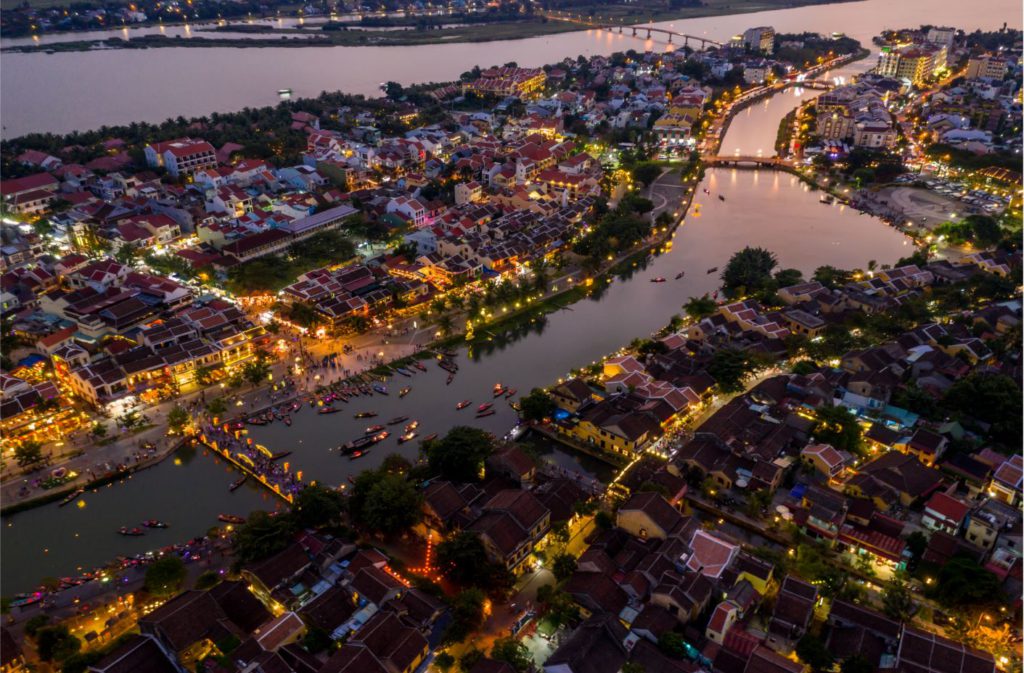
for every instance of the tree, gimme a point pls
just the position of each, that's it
(463, 559)
(963, 583)
(838, 427)
(165, 576)
(468, 660)
(261, 536)
(204, 375)
(130, 419)
(729, 367)
(897, 603)
(646, 173)
(467, 609)
(460, 454)
(396, 463)
(99, 430)
(787, 277)
(537, 406)
(316, 506)
(831, 277)
(29, 453)
(749, 270)
(513, 652)
(392, 505)
(56, 643)
(917, 542)
(564, 565)
(445, 661)
(672, 644)
(177, 419)
(814, 653)
(255, 372)
(992, 398)
(700, 307)
(35, 623)
(217, 406)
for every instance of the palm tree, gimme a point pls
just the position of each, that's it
(445, 324)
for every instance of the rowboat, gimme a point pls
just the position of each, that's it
(404, 391)
(484, 407)
(489, 412)
(327, 410)
(407, 437)
(374, 429)
(510, 392)
(71, 497)
(463, 404)
(366, 414)
(231, 518)
(398, 419)
(154, 523)
(237, 484)
(419, 365)
(130, 532)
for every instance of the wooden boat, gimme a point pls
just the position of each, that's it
(489, 412)
(431, 437)
(404, 391)
(255, 421)
(412, 426)
(366, 414)
(713, 269)
(288, 421)
(374, 429)
(279, 455)
(680, 275)
(419, 365)
(296, 405)
(130, 532)
(154, 523)
(403, 371)
(510, 392)
(358, 453)
(407, 437)
(231, 518)
(327, 410)
(71, 497)
(380, 388)
(659, 279)
(499, 390)
(451, 377)
(721, 198)
(356, 444)
(484, 407)
(237, 484)
(398, 419)
(463, 404)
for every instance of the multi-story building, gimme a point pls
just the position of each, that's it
(673, 128)
(181, 157)
(761, 38)
(986, 66)
(858, 114)
(916, 63)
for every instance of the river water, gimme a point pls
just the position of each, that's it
(83, 90)
(762, 208)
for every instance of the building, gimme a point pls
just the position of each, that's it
(761, 38)
(944, 512)
(987, 66)
(673, 127)
(182, 157)
(917, 64)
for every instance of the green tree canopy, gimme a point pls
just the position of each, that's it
(563, 565)
(814, 653)
(897, 603)
(513, 652)
(646, 172)
(177, 419)
(165, 576)
(317, 506)
(992, 398)
(750, 269)
(55, 643)
(261, 536)
(838, 427)
(537, 406)
(467, 608)
(460, 454)
(964, 583)
(700, 307)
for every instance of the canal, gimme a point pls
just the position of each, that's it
(63, 92)
(761, 208)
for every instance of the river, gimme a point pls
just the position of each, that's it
(67, 91)
(763, 208)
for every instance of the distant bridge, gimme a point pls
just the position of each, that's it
(650, 30)
(745, 161)
(597, 23)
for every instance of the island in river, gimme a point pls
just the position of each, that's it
(408, 31)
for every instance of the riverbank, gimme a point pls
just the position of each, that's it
(483, 32)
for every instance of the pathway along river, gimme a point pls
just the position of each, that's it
(763, 208)
(83, 90)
